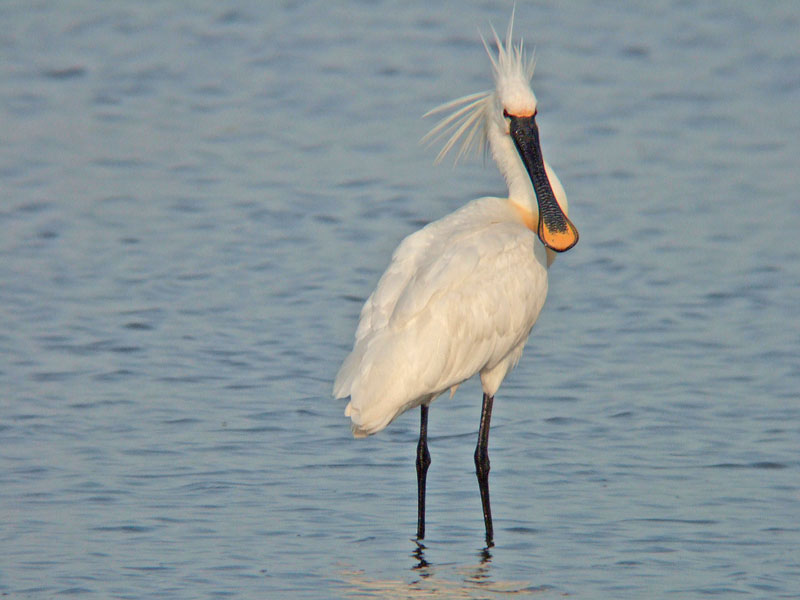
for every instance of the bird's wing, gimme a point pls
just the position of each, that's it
(402, 268)
(483, 286)
(420, 252)
(464, 308)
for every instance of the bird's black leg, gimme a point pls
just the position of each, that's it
(482, 465)
(423, 462)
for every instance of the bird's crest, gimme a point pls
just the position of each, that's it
(468, 116)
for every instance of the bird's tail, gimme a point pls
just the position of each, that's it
(358, 426)
(376, 387)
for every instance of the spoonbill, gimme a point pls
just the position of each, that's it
(461, 295)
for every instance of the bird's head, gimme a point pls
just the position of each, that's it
(504, 119)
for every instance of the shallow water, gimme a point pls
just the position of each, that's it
(195, 201)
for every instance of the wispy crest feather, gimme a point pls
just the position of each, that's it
(467, 122)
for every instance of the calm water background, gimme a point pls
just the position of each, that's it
(197, 198)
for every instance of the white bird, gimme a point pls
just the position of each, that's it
(461, 295)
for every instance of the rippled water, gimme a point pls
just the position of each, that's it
(195, 201)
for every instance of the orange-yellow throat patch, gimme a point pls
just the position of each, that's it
(527, 217)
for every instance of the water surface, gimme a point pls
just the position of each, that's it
(196, 200)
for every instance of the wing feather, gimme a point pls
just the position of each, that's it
(434, 321)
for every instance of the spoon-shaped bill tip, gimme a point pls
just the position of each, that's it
(560, 237)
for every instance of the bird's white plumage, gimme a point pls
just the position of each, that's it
(461, 295)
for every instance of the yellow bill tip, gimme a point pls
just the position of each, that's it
(559, 240)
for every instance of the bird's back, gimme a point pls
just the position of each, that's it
(458, 298)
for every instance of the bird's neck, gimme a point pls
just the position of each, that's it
(520, 190)
(521, 194)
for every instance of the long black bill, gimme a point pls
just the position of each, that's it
(555, 230)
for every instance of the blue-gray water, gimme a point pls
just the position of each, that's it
(196, 198)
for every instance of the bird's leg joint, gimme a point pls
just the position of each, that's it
(423, 457)
(482, 464)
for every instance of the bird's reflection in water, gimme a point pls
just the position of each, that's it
(480, 574)
(422, 564)
(430, 581)
(419, 555)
